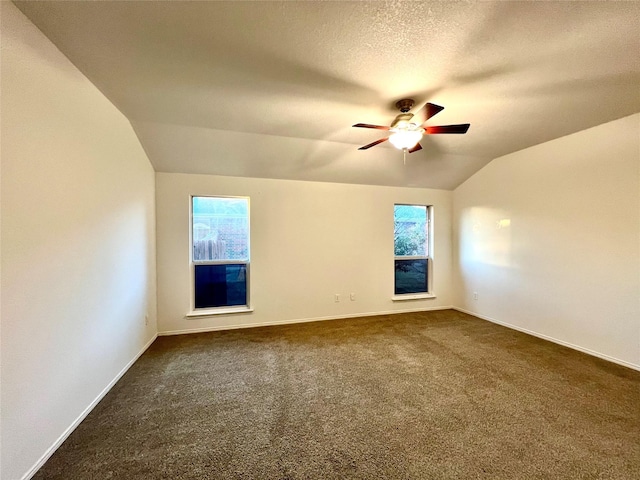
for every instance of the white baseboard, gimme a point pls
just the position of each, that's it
(295, 320)
(51, 450)
(551, 339)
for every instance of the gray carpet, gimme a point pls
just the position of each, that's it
(435, 395)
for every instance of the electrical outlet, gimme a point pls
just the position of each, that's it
(337, 298)
(352, 297)
(475, 295)
(146, 319)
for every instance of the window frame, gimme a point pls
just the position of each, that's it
(428, 257)
(224, 309)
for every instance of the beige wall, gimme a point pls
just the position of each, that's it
(549, 238)
(309, 241)
(78, 258)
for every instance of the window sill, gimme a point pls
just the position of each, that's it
(412, 296)
(218, 311)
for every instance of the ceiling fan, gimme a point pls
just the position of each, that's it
(405, 135)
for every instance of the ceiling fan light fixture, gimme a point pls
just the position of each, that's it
(406, 135)
(403, 138)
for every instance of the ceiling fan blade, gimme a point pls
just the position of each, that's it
(415, 148)
(461, 128)
(430, 110)
(367, 125)
(373, 144)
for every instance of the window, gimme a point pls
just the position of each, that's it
(411, 249)
(220, 252)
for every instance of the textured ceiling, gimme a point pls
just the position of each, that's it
(271, 89)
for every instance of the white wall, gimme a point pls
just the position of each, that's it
(309, 241)
(549, 238)
(78, 259)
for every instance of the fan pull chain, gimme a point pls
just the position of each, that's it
(404, 150)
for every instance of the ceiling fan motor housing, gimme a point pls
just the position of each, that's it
(405, 104)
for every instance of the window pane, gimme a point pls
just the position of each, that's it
(411, 276)
(220, 285)
(220, 228)
(410, 230)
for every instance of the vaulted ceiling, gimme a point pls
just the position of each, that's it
(271, 89)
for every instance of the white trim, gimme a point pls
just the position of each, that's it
(219, 311)
(412, 296)
(51, 450)
(551, 339)
(295, 320)
(242, 261)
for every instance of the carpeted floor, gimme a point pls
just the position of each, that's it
(434, 395)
